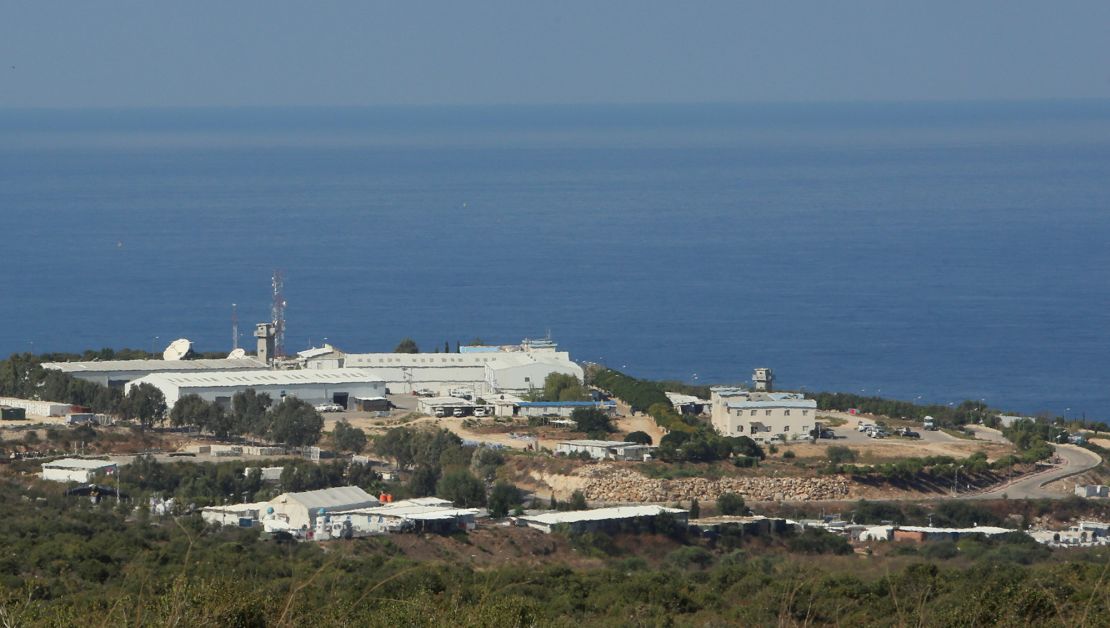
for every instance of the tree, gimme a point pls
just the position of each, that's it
(348, 438)
(578, 501)
(295, 422)
(190, 410)
(563, 387)
(503, 498)
(591, 420)
(462, 488)
(407, 345)
(248, 412)
(695, 509)
(731, 504)
(642, 438)
(146, 403)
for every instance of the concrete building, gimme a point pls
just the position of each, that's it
(76, 469)
(687, 404)
(762, 416)
(38, 408)
(601, 518)
(313, 386)
(118, 373)
(605, 449)
(240, 515)
(559, 408)
(444, 406)
(1092, 490)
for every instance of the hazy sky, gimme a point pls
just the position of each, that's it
(74, 54)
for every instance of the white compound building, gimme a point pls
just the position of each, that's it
(314, 386)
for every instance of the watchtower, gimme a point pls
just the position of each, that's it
(264, 332)
(764, 379)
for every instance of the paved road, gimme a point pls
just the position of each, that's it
(1073, 461)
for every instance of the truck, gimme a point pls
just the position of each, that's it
(929, 424)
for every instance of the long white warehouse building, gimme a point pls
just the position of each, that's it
(117, 373)
(484, 373)
(311, 385)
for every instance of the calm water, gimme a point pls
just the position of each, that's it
(940, 251)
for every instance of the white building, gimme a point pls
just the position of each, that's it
(506, 369)
(117, 373)
(587, 520)
(762, 416)
(38, 408)
(423, 514)
(76, 469)
(605, 449)
(559, 408)
(313, 386)
(241, 515)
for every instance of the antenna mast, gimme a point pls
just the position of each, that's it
(277, 313)
(234, 327)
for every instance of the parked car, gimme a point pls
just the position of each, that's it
(876, 432)
(908, 433)
(440, 412)
(457, 412)
(329, 407)
(863, 427)
(827, 434)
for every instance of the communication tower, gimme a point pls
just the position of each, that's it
(277, 313)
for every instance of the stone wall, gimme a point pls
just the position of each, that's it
(607, 484)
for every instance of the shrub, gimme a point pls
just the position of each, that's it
(788, 454)
(731, 504)
(839, 454)
(819, 541)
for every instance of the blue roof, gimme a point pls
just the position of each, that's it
(565, 404)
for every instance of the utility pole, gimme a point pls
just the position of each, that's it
(234, 327)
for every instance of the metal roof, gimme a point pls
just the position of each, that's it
(241, 379)
(338, 497)
(156, 365)
(567, 404)
(600, 514)
(419, 509)
(597, 443)
(78, 463)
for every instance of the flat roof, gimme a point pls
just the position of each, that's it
(566, 404)
(808, 404)
(600, 514)
(108, 366)
(78, 463)
(239, 379)
(597, 443)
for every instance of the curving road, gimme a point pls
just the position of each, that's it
(1072, 461)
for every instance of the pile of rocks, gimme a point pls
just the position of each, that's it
(606, 484)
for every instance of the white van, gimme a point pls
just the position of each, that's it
(441, 412)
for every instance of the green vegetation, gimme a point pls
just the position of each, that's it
(348, 438)
(407, 345)
(1032, 439)
(561, 387)
(503, 498)
(591, 420)
(462, 488)
(642, 438)
(839, 454)
(731, 504)
(705, 445)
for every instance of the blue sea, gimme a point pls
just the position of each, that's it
(933, 252)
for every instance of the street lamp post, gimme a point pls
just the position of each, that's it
(956, 481)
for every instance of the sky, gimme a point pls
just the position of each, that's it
(366, 53)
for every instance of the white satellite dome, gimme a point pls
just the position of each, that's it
(178, 350)
(237, 354)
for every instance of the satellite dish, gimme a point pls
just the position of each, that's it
(237, 354)
(178, 350)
